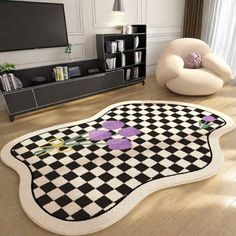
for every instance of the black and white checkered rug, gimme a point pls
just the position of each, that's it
(82, 171)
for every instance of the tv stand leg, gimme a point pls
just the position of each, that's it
(11, 118)
(143, 82)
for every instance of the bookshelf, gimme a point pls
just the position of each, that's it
(127, 62)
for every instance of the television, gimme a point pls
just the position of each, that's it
(31, 25)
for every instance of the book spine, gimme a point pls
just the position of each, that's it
(5, 77)
(65, 72)
(10, 82)
(55, 73)
(58, 74)
(61, 73)
(3, 84)
(13, 80)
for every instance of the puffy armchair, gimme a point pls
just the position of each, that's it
(206, 80)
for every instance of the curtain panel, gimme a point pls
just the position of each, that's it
(193, 18)
(219, 29)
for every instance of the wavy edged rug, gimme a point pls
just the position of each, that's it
(82, 177)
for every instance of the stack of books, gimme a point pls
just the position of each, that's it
(61, 73)
(8, 82)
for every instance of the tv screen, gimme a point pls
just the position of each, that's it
(30, 25)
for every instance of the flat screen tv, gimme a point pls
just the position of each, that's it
(31, 25)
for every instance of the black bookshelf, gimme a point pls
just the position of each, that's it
(129, 51)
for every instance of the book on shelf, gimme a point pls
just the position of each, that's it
(61, 73)
(9, 82)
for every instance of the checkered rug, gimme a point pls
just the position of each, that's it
(82, 171)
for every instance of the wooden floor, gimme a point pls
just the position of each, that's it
(203, 208)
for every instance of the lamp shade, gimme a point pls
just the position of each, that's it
(118, 6)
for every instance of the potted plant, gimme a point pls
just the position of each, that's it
(7, 68)
(68, 50)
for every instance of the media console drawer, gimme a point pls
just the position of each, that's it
(20, 101)
(100, 83)
(55, 93)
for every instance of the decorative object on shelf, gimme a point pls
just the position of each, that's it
(74, 71)
(111, 63)
(39, 80)
(135, 73)
(118, 6)
(61, 73)
(127, 29)
(96, 178)
(138, 57)
(111, 47)
(68, 50)
(121, 45)
(136, 41)
(128, 74)
(93, 71)
(123, 59)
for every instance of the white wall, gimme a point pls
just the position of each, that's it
(85, 18)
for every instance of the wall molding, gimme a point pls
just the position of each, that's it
(166, 34)
(79, 19)
(163, 25)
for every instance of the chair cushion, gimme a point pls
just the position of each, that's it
(193, 60)
(195, 82)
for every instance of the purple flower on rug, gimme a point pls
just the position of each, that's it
(209, 118)
(206, 122)
(128, 132)
(119, 144)
(98, 135)
(114, 143)
(113, 124)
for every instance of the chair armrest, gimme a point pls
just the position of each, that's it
(217, 65)
(168, 67)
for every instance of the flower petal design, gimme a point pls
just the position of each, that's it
(119, 144)
(113, 124)
(98, 135)
(128, 132)
(209, 118)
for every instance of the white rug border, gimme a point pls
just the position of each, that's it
(50, 223)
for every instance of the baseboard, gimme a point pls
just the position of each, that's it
(151, 69)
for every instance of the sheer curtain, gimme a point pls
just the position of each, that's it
(219, 29)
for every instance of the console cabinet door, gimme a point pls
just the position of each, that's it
(55, 93)
(20, 101)
(100, 83)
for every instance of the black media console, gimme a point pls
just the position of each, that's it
(31, 98)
